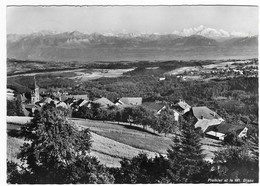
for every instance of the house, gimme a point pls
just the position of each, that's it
(21, 97)
(162, 79)
(181, 107)
(104, 102)
(204, 113)
(44, 101)
(75, 104)
(29, 109)
(154, 106)
(130, 101)
(10, 94)
(62, 104)
(220, 131)
(204, 117)
(205, 123)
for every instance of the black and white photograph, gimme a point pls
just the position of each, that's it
(131, 93)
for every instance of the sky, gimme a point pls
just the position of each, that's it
(130, 19)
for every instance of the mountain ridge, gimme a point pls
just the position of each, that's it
(77, 46)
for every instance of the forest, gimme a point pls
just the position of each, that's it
(242, 92)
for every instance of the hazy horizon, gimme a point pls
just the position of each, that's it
(130, 19)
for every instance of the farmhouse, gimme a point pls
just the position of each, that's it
(221, 130)
(204, 113)
(204, 117)
(181, 106)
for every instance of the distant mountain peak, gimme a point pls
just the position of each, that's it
(209, 32)
(76, 33)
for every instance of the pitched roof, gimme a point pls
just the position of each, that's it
(205, 123)
(153, 105)
(131, 100)
(183, 105)
(104, 102)
(204, 112)
(83, 103)
(30, 106)
(45, 100)
(225, 128)
(69, 100)
(62, 104)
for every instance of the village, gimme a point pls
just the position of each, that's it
(208, 121)
(218, 71)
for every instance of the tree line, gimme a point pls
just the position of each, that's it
(138, 115)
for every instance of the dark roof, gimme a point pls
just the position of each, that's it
(225, 128)
(131, 100)
(204, 112)
(76, 103)
(153, 105)
(69, 101)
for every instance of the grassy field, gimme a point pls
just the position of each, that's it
(129, 135)
(108, 151)
(112, 141)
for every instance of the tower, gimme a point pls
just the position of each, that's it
(35, 94)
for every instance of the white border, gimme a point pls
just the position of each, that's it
(4, 3)
(131, 2)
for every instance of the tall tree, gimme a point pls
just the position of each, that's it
(14, 108)
(141, 169)
(142, 116)
(166, 122)
(186, 160)
(54, 149)
(236, 163)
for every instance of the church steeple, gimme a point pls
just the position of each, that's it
(35, 94)
(35, 84)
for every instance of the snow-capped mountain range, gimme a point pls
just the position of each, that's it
(209, 32)
(186, 32)
(196, 42)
